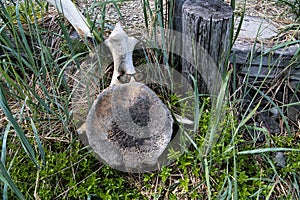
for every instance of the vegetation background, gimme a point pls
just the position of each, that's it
(41, 157)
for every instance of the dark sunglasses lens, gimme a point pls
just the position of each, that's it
(125, 78)
(139, 76)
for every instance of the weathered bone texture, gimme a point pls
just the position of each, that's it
(128, 126)
(121, 47)
(70, 11)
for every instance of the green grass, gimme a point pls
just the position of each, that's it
(41, 156)
(70, 171)
(294, 7)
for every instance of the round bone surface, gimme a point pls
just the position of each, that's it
(129, 127)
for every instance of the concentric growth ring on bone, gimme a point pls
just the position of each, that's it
(137, 110)
(119, 138)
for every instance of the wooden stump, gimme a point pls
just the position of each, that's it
(206, 38)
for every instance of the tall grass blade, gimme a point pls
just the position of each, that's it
(296, 183)
(24, 141)
(118, 9)
(235, 176)
(240, 22)
(3, 155)
(4, 177)
(197, 113)
(264, 150)
(282, 45)
(207, 178)
(217, 113)
(249, 116)
(38, 141)
(28, 50)
(146, 7)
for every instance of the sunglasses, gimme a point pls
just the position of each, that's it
(125, 78)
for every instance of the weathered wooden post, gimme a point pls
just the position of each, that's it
(178, 15)
(206, 39)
